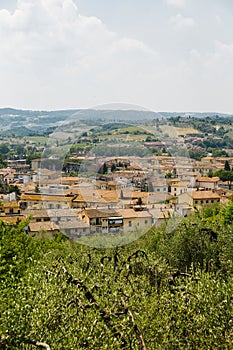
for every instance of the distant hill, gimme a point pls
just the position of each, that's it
(116, 115)
(25, 122)
(20, 131)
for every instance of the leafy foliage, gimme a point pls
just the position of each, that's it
(172, 289)
(225, 175)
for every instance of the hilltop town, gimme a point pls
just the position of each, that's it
(117, 177)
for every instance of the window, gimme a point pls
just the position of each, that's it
(146, 222)
(130, 223)
(98, 221)
(207, 201)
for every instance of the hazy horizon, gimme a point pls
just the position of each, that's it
(102, 108)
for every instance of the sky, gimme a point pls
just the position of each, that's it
(162, 55)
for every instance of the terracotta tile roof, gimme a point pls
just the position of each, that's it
(9, 176)
(88, 199)
(135, 194)
(181, 184)
(97, 213)
(10, 204)
(109, 195)
(45, 197)
(207, 179)
(130, 213)
(12, 219)
(42, 226)
(29, 186)
(205, 195)
(97, 196)
(69, 179)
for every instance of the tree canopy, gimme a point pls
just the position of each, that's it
(225, 175)
(172, 289)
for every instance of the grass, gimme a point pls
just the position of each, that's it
(173, 131)
(39, 140)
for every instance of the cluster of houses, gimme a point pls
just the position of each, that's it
(137, 195)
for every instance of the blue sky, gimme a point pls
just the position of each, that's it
(164, 55)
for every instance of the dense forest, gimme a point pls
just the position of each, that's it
(171, 289)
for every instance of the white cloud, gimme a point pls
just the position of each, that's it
(177, 3)
(219, 62)
(219, 19)
(133, 46)
(55, 30)
(226, 49)
(48, 47)
(52, 56)
(180, 22)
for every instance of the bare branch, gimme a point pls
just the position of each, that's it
(135, 326)
(38, 344)
(43, 345)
